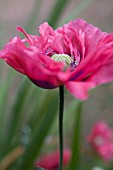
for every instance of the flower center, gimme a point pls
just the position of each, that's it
(66, 59)
(99, 140)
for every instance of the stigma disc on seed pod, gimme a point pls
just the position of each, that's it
(66, 59)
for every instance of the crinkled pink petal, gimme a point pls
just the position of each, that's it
(92, 34)
(79, 89)
(13, 62)
(47, 34)
(45, 29)
(109, 153)
(106, 151)
(10, 55)
(29, 37)
(101, 140)
(100, 129)
(67, 41)
(36, 68)
(41, 70)
(51, 160)
(104, 72)
(107, 40)
(96, 68)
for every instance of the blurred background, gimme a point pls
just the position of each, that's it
(27, 121)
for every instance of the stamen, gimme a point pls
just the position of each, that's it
(74, 64)
(99, 140)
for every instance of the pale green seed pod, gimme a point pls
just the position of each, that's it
(66, 59)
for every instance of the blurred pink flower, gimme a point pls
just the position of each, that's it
(77, 55)
(101, 139)
(51, 160)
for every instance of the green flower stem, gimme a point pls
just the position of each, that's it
(61, 108)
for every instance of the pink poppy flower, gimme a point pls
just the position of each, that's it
(77, 55)
(51, 160)
(101, 139)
